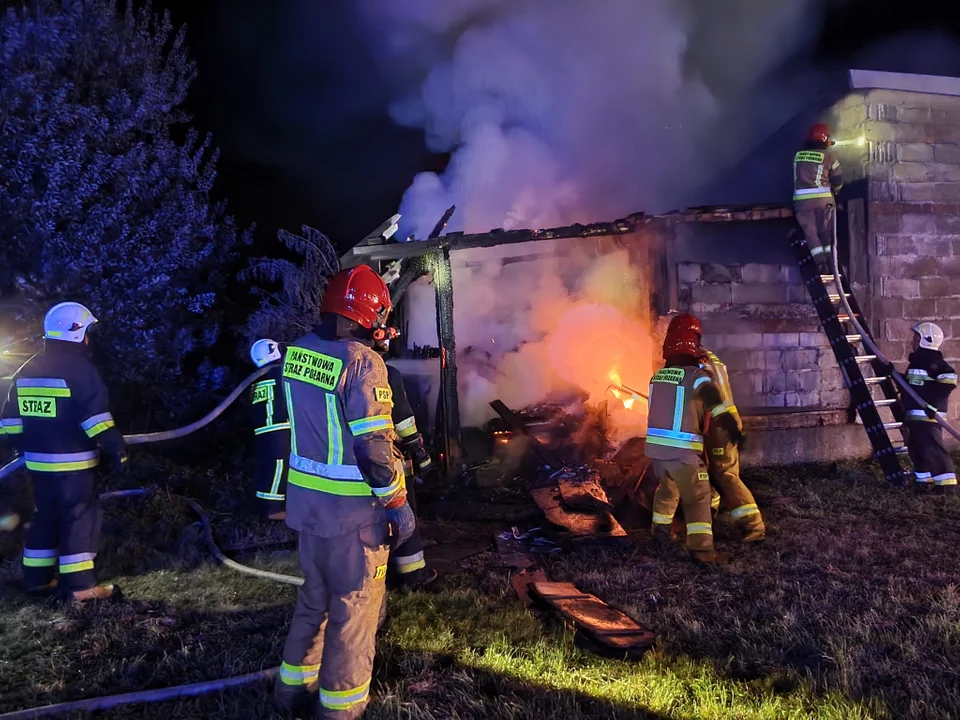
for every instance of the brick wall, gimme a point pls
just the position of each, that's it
(911, 170)
(759, 320)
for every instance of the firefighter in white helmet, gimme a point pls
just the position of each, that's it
(57, 414)
(934, 380)
(271, 432)
(346, 497)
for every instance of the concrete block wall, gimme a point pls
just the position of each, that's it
(911, 165)
(760, 321)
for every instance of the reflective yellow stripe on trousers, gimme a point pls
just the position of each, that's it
(61, 462)
(298, 674)
(344, 699)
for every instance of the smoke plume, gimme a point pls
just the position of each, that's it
(562, 111)
(569, 323)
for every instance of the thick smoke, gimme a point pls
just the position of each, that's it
(561, 111)
(566, 324)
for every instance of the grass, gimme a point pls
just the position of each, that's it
(850, 610)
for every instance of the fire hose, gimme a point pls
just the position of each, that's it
(176, 434)
(868, 341)
(192, 689)
(141, 438)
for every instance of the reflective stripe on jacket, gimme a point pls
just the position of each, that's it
(816, 177)
(718, 373)
(342, 457)
(409, 439)
(268, 407)
(676, 413)
(57, 411)
(933, 380)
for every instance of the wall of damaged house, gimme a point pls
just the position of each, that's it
(911, 230)
(759, 320)
(738, 277)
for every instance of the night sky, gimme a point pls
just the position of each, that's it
(351, 171)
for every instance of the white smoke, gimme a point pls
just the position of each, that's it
(570, 321)
(561, 111)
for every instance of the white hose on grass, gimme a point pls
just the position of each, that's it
(193, 689)
(176, 434)
(142, 696)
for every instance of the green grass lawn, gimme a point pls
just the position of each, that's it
(850, 610)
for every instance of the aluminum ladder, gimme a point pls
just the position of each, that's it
(848, 348)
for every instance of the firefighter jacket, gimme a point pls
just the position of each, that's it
(680, 398)
(343, 464)
(271, 425)
(718, 373)
(933, 379)
(408, 436)
(817, 176)
(57, 412)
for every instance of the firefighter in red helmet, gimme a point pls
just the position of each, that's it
(682, 396)
(722, 452)
(346, 496)
(817, 178)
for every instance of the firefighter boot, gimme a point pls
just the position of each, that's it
(42, 591)
(710, 557)
(419, 578)
(99, 592)
(664, 542)
(754, 534)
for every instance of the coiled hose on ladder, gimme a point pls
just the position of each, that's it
(868, 341)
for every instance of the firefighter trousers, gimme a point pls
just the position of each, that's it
(724, 458)
(930, 458)
(407, 559)
(65, 532)
(689, 484)
(817, 226)
(270, 473)
(328, 655)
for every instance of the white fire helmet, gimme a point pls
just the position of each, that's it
(264, 351)
(68, 322)
(931, 336)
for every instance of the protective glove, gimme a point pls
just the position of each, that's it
(742, 442)
(401, 520)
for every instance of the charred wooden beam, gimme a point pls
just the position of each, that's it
(439, 264)
(548, 456)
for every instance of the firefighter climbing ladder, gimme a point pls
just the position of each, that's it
(847, 348)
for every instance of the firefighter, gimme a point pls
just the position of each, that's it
(57, 414)
(681, 396)
(271, 432)
(407, 559)
(722, 454)
(934, 380)
(346, 496)
(817, 177)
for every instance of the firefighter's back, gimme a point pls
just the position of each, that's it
(50, 388)
(327, 494)
(675, 418)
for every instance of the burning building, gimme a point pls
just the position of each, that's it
(575, 315)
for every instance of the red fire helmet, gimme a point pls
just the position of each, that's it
(358, 294)
(819, 132)
(683, 336)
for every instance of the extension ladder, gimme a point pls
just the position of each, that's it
(848, 347)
